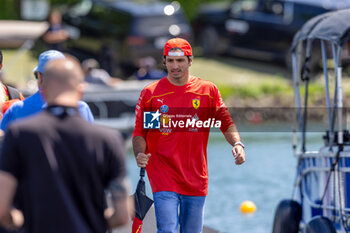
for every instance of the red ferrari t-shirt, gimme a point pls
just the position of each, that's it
(178, 148)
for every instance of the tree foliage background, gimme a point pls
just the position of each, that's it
(191, 7)
(10, 9)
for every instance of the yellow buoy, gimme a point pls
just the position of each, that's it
(248, 207)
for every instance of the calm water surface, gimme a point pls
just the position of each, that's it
(266, 178)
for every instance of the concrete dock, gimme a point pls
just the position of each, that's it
(149, 225)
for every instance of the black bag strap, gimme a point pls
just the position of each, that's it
(13, 93)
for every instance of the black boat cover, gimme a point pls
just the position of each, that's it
(332, 26)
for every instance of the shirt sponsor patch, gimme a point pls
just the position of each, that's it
(164, 108)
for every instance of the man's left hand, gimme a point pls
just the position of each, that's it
(239, 154)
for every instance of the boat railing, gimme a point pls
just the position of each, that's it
(322, 154)
(316, 167)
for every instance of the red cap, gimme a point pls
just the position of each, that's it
(177, 43)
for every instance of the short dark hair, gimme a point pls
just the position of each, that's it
(0, 58)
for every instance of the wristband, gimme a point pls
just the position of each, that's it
(239, 143)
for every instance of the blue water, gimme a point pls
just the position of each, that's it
(265, 178)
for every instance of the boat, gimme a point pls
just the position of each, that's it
(320, 200)
(114, 106)
(16, 33)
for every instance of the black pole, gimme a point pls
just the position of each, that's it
(305, 77)
(142, 171)
(305, 115)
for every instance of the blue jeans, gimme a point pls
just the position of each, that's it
(190, 218)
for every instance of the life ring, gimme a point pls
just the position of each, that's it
(320, 224)
(287, 217)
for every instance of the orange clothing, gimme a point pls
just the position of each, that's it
(6, 105)
(178, 161)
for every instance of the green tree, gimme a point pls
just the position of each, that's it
(55, 3)
(190, 7)
(9, 9)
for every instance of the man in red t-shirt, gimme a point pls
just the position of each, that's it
(173, 119)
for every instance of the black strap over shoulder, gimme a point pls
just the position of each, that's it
(13, 93)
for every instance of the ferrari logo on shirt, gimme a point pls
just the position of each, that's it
(196, 103)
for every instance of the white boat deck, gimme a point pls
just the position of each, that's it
(15, 32)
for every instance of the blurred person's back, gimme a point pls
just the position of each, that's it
(64, 164)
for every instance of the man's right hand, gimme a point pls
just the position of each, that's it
(142, 159)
